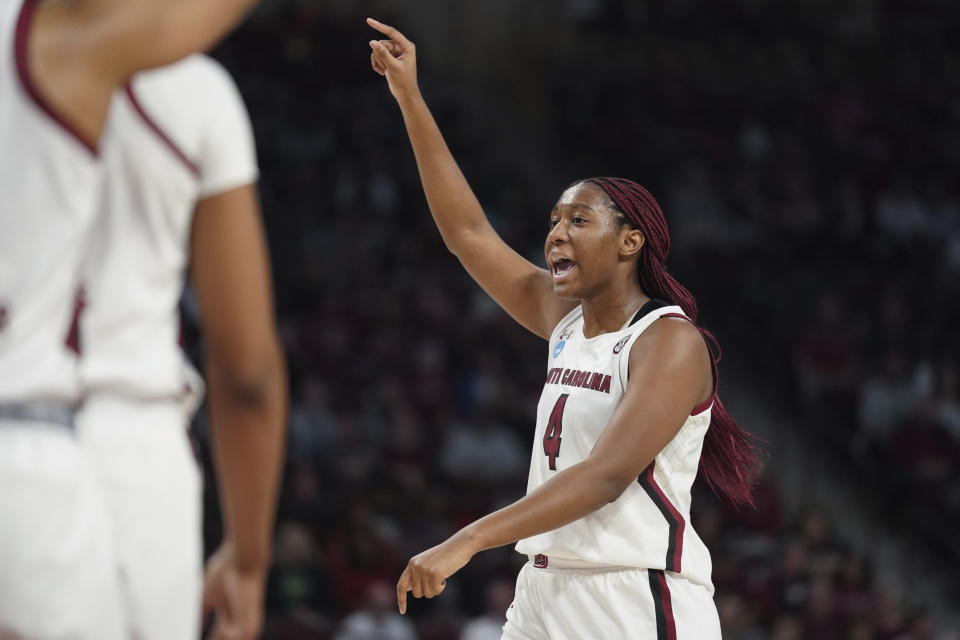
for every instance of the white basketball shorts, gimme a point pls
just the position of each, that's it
(153, 490)
(567, 600)
(58, 572)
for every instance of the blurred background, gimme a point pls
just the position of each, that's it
(805, 154)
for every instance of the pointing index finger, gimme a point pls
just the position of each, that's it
(403, 586)
(388, 31)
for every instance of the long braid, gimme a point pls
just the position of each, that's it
(730, 461)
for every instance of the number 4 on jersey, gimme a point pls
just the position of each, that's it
(551, 437)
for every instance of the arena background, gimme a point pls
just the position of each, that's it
(805, 154)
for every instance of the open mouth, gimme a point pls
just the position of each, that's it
(562, 267)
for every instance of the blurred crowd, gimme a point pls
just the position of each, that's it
(805, 155)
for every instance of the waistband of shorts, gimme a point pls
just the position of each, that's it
(160, 408)
(541, 561)
(48, 413)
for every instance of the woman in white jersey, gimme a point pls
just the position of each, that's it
(60, 63)
(628, 406)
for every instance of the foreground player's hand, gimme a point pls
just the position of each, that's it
(426, 573)
(395, 58)
(234, 595)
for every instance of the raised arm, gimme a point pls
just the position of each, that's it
(669, 376)
(524, 290)
(79, 52)
(125, 36)
(246, 382)
(142, 34)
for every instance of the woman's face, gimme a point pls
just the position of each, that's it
(587, 245)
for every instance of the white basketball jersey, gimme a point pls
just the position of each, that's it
(175, 136)
(49, 181)
(648, 526)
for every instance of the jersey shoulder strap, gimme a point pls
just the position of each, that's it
(708, 338)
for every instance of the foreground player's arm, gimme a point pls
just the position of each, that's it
(79, 52)
(524, 290)
(246, 381)
(669, 375)
(131, 35)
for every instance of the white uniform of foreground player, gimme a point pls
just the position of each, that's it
(176, 135)
(57, 577)
(639, 554)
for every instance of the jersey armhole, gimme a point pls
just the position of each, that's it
(708, 403)
(648, 314)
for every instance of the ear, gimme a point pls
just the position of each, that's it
(631, 241)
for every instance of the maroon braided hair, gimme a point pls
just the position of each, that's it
(730, 461)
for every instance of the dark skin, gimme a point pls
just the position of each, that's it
(80, 51)
(247, 393)
(669, 365)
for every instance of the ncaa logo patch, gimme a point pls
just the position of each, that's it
(563, 341)
(617, 348)
(557, 349)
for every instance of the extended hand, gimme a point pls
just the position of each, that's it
(234, 595)
(426, 573)
(395, 58)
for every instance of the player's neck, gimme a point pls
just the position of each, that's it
(608, 312)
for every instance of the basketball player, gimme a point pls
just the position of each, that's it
(60, 63)
(628, 406)
(181, 188)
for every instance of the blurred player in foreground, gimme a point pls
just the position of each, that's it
(628, 407)
(181, 190)
(60, 63)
